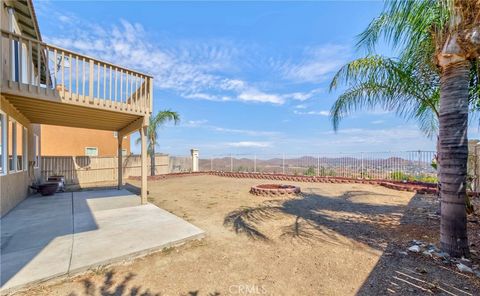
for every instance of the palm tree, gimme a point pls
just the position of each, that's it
(435, 80)
(155, 122)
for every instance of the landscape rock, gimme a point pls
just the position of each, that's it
(427, 253)
(441, 254)
(432, 248)
(414, 249)
(464, 268)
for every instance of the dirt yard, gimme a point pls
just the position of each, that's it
(336, 239)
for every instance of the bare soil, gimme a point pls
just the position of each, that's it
(335, 239)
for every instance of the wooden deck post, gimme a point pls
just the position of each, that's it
(143, 135)
(120, 162)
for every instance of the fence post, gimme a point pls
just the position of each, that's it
(283, 163)
(254, 163)
(194, 154)
(361, 170)
(419, 163)
(231, 163)
(211, 163)
(318, 165)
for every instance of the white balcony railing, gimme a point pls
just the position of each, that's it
(35, 68)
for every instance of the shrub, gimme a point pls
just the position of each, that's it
(399, 176)
(310, 171)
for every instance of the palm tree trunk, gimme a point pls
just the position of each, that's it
(453, 152)
(439, 182)
(152, 161)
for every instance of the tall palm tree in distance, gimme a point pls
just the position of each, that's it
(155, 123)
(435, 80)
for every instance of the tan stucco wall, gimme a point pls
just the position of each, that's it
(14, 186)
(69, 141)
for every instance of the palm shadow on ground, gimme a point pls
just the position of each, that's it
(117, 286)
(385, 228)
(321, 218)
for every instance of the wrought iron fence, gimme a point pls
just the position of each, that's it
(403, 165)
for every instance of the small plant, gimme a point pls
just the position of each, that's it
(365, 175)
(427, 179)
(310, 171)
(399, 176)
(241, 169)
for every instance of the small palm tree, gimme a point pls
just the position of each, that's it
(435, 80)
(155, 122)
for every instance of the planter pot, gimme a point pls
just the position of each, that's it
(48, 188)
(60, 180)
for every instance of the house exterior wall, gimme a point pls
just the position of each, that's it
(14, 186)
(69, 141)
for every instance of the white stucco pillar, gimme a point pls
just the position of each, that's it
(194, 160)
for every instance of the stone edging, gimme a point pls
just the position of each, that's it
(418, 187)
(287, 190)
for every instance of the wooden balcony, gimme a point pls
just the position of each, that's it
(51, 85)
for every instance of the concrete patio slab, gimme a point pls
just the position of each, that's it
(47, 237)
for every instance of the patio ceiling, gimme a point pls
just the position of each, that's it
(71, 115)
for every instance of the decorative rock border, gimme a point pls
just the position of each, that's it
(418, 187)
(275, 190)
(168, 176)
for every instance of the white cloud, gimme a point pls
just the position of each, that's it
(195, 123)
(318, 64)
(199, 70)
(249, 144)
(244, 132)
(208, 97)
(254, 133)
(258, 96)
(319, 113)
(195, 70)
(303, 96)
(377, 122)
(301, 106)
(376, 136)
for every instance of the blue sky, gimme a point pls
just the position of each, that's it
(245, 76)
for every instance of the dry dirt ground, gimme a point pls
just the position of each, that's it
(336, 239)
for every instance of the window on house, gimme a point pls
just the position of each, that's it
(36, 150)
(20, 147)
(124, 152)
(91, 151)
(2, 143)
(12, 145)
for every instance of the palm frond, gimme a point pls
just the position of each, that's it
(154, 124)
(405, 24)
(369, 67)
